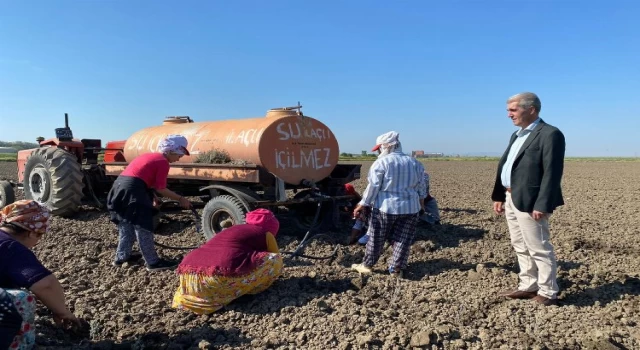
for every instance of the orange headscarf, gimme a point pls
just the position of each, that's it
(28, 214)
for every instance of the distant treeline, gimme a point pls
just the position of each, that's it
(19, 145)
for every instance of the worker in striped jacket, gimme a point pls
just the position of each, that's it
(395, 194)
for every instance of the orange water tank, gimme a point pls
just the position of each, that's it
(289, 145)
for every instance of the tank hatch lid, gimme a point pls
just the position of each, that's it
(177, 120)
(285, 111)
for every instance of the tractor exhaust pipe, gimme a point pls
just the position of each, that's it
(66, 120)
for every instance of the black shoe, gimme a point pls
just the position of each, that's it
(163, 264)
(135, 256)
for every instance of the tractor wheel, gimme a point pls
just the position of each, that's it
(53, 177)
(219, 209)
(7, 196)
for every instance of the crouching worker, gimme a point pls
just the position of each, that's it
(23, 279)
(361, 221)
(431, 211)
(242, 259)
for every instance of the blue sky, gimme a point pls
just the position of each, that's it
(438, 72)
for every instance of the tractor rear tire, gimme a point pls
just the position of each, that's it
(219, 209)
(7, 195)
(53, 177)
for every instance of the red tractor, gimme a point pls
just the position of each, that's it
(56, 173)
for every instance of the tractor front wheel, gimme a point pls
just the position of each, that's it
(53, 177)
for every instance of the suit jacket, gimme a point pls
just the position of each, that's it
(537, 171)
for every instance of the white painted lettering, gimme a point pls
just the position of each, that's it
(229, 138)
(133, 143)
(279, 163)
(247, 138)
(142, 142)
(293, 135)
(309, 161)
(240, 137)
(315, 155)
(315, 159)
(283, 134)
(326, 157)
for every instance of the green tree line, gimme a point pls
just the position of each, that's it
(19, 145)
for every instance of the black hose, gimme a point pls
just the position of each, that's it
(297, 253)
(303, 245)
(307, 238)
(198, 227)
(174, 248)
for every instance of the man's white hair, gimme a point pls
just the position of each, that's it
(526, 100)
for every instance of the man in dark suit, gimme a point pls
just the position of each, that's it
(527, 190)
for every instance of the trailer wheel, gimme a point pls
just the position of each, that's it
(304, 213)
(53, 177)
(7, 196)
(217, 210)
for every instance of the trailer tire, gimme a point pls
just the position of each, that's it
(218, 209)
(53, 178)
(303, 213)
(7, 195)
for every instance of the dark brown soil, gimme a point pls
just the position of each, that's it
(448, 298)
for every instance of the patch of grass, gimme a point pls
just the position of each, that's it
(214, 156)
(602, 159)
(8, 157)
(371, 159)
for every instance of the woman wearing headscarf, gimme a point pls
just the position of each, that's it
(242, 259)
(431, 213)
(23, 279)
(394, 193)
(131, 201)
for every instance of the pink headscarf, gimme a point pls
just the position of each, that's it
(265, 219)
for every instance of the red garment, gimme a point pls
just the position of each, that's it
(350, 190)
(152, 168)
(232, 252)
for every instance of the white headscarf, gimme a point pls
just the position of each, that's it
(387, 143)
(174, 143)
(388, 148)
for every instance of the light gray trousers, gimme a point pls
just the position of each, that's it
(537, 260)
(127, 235)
